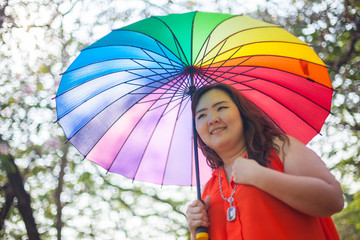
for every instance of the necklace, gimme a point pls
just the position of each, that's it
(231, 212)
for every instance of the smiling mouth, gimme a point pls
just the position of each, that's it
(216, 130)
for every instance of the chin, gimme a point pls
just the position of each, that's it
(220, 146)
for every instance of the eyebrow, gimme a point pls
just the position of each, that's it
(214, 105)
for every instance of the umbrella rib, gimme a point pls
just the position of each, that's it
(309, 79)
(208, 38)
(113, 124)
(92, 79)
(125, 143)
(302, 119)
(207, 44)
(163, 78)
(147, 144)
(225, 62)
(144, 66)
(131, 92)
(162, 98)
(183, 95)
(171, 140)
(108, 60)
(242, 83)
(174, 67)
(171, 62)
(89, 47)
(224, 72)
(172, 93)
(126, 82)
(176, 83)
(180, 83)
(201, 81)
(254, 67)
(68, 139)
(266, 80)
(221, 64)
(237, 47)
(213, 61)
(175, 99)
(177, 44)
(282, 69)
(244, 30)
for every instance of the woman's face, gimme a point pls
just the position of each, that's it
(218, 122)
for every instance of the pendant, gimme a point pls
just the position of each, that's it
(231, 213)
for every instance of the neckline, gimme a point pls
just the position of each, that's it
(230, 185)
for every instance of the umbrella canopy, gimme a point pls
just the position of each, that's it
(125, 102)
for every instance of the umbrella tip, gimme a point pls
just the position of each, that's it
(191, 69)
(191, 91)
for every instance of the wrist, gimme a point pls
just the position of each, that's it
(259, 176)
(193, 236)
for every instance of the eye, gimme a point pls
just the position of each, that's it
(201, 115)
(222, 107)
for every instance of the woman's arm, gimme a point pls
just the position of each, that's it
(306, 184)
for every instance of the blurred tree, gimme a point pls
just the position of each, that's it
(71, 198)
(348, 221)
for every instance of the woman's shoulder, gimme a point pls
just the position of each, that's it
(287, 145)
(298, 158)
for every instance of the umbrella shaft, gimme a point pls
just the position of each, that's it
(196, 156)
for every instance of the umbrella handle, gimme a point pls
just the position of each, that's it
(201, 233)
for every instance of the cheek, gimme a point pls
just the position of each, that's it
(237, 123)
(201, 129)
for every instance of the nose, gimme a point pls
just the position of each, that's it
(213, 118)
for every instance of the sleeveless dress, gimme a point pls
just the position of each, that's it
(260, 216)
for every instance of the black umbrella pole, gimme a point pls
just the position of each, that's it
(201, 232)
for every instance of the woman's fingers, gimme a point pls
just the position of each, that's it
(196, 215)
(197, 220)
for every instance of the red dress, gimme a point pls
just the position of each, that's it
(260, 216)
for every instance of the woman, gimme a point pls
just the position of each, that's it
(265, 184)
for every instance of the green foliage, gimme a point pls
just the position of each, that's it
(348, 221)
(5, 163)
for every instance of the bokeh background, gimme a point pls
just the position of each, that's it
(47, 191)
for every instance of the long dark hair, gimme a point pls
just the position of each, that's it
(259, 130)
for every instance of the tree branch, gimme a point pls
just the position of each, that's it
(9, 199)
(23, 198)
(58, 192)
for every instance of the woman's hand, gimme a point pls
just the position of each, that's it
(197, 215)
(245, 171)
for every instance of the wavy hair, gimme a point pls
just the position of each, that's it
(259, 130)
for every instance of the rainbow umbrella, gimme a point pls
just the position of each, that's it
(124, 102)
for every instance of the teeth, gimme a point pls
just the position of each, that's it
(216, 130)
